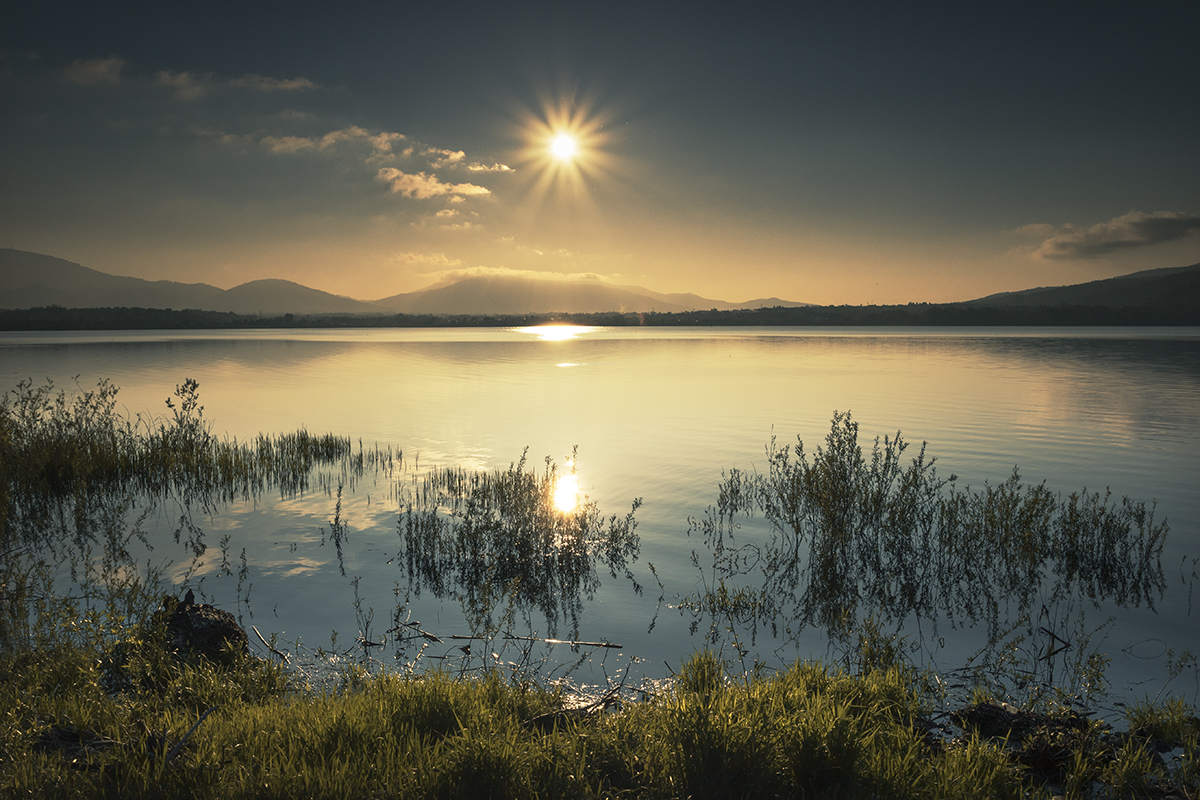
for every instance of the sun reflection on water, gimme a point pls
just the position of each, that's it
(566, 493)
(557, 333)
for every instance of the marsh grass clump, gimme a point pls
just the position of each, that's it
(78, 480)
(854, 543)
(64, 456)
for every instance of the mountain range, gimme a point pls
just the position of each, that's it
(31, 280)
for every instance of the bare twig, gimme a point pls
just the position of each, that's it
(270, 647)
(563, 641)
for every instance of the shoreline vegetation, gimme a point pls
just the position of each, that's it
(55, 318)
(99, 699)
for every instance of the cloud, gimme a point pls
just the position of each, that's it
(436, 259)
(443, 158)
(184, 84)
(288, 144)
(493, 168)
(226, 138)
(380, 142)
(95, 71)
(190, 86)
(506, 272)
(422, 187)
(266, 84)
(1127, 232)
(539, 252)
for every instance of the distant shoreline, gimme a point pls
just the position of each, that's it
(57, 318)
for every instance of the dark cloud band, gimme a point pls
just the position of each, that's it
(1127, 232)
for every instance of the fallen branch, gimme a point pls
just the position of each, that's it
(270, 647)
(565, 641)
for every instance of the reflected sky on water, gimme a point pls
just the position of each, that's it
(656, 414)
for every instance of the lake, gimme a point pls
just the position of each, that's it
(657, 414)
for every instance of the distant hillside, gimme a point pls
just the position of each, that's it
(31, 280)
(1154, 288)
(504, 294)
(28, 280)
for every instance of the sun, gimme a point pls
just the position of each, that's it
(564, 147)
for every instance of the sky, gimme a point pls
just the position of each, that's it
(847, 153)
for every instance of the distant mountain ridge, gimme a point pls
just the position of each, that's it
(513, 294)
(1166, 287)
(32, 280)
(29, 280)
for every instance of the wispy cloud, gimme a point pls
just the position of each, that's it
(493, 168)
(422, 186)
(188, 85)
(434, 259)
(440, 158)
(184, 84)
(264, 83)
(383, 141)
(506, 272)
(380, 143)
(1127, 232)
(95, 71)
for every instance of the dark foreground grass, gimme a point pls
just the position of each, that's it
(75, 723)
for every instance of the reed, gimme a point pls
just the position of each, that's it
(859, 543)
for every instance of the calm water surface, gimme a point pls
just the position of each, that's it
(656, 414)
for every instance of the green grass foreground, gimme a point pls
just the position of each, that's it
(135, 721)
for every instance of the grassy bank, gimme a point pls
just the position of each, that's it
(133, 721)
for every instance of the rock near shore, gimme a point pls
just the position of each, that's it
(204, 630)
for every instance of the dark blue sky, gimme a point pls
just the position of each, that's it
(863, 153)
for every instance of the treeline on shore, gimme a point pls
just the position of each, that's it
(57, 318)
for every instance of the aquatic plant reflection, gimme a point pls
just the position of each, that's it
(850, 541)
(505, 537)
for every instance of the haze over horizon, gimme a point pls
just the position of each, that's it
(859, 154)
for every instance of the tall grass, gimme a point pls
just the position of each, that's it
(78, 480)
(65, 461)
(806, 732)
(854, 539)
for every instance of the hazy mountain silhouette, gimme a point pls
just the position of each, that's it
(515, 294)
(30, 280)
(1167, 287)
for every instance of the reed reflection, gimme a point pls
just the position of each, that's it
(512, 542)
(858, 548)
